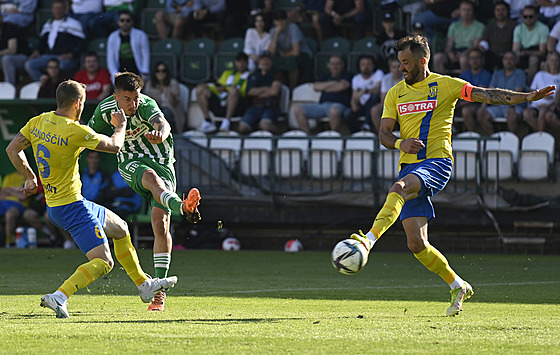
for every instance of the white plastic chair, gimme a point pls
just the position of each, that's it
(536, 156)
(357, 157)
(464, 154)
(324, 154)
(254, 158)
(30, 91)
(227, 146)
(388, 161)
(501, 156)
(7, 91)
(194, 115)
(302, 94)
(291, 153)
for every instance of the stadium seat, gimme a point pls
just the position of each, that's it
(328, 47)
(195, 62)
(155, 4)
(254, 159)
(194, 115)
(388, 162)
(148, 22)
(362, 46)
(464, 154)
(225, 57)
(7, 91)
(291, 153)
(324, 155)
(302, 94)
(536, 157)
(98, 45)
(197, 137)
(29, 91)
(357, 157)
(501, 156)
(226, 145)
(312, 44)
(169, 45)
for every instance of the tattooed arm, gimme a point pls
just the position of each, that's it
(161, 131)
(496, 96)
(15, 151)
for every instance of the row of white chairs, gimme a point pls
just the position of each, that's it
(298, 155)
(27, 92)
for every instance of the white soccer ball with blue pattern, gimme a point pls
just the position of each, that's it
(349, 256)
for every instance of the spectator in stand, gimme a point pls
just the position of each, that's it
(553, 43)
(340, 11)
(388, 81)
(206, 11)
(18, 12)
(14, 50)
(387, 39)
(62, 37)
(365, 92)
(175, 17)
(511, 78)
(12, 204)
(477, 76)
(97, 79)
(529, 41)
(93, 179)
(418, 29)
(257, 40)
(334, 103)
(497, 38)
(461, 37)
(225, 98)
(163, 88)
(437, 13)
(86, 11)
(50, 80)
(105, 23)
(536, 116)
(128, 49)
(312, 10)
(550, 11)
(264, 88)
(290, 51)
(517, 6)
(240, 15)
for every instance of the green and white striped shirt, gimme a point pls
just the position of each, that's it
(136, 146)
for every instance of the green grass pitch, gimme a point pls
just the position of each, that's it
(254, 302)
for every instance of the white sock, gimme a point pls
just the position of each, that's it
(457, 283)
(371, 238)
(60, 296)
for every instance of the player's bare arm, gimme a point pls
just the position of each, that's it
(497, 96)
(161, 130)
(389, 140)
(114, 143)
(15, 151)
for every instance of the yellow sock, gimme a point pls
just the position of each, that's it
(127, 257)
(388, 214)
(84, 275)
(434, 261)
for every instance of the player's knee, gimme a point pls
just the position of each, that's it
(416, 245)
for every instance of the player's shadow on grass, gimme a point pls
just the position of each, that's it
(217, 321)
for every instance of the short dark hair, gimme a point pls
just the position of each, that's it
(68, 92)
(418, 45)
(368, 57)
(280, 15)
(242, 56)
(503, 3)
(127, 81)
(531, 7)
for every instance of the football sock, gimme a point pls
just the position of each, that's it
(84, 275)
(161, 264)
(60, 296)
(127, 257)
(371, 237)
(388, 214)
(171, 200)
(434, 261)
(458, 283)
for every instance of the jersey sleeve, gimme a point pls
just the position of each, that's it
(149, 109)
(26, 130)
(85, 136)
(97, 121)
(390, 105)
(455, 86)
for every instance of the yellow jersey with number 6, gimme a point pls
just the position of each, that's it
(57, 142)
(425, 111)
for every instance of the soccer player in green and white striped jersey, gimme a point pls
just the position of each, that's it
(146, 163)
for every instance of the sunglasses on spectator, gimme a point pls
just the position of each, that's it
(125, 20)
(528, 16)
(161, 70)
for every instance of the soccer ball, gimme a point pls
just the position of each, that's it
(349, 256)
(293, 246)
(231, 244)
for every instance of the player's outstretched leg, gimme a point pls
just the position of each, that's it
(364, 239)
(190, 204)
(458, 296)
(58, 306)
(151, 287)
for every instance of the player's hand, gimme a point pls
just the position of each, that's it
(118, 118)
(412, 145)
(154, 137)
(30, 187)
(540, 93)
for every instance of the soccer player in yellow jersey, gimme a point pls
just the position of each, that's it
(57, 139)
(423, 103)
